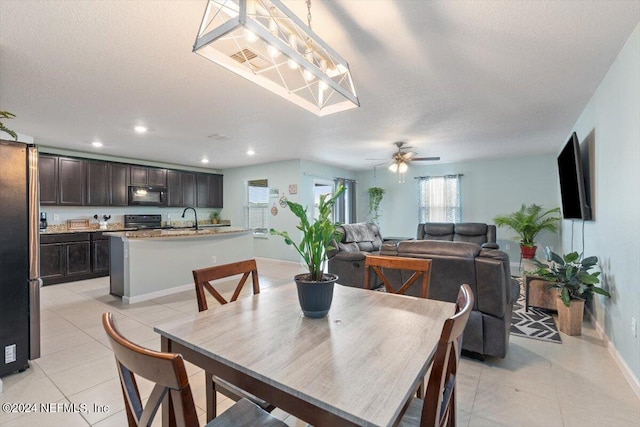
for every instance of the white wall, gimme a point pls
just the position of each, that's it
(280, 175)
(612, 119)
(489, 188)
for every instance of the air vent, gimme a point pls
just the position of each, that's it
(219, 137)
(252, 59)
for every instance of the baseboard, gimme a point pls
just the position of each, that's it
(622, 365)
(157, 294)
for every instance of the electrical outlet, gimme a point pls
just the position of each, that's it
(10, 354)
(634, 327)
(56, 217)
(214, 259)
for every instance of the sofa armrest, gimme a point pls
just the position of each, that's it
(350, 256)
(490, 245)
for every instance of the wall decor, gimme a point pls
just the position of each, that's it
(293, 188)
(283, 201)
(274, 210)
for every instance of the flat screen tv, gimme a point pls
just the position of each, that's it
(575, 200)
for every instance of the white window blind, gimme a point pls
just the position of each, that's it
(439, 199)
(257, 207)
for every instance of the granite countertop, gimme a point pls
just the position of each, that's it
(119, 226)
(177, 232)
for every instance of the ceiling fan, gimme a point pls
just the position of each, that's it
(401, 158)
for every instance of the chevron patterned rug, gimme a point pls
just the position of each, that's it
(537, 323)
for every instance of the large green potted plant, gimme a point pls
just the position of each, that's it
(570, 275)
(375, 197)
(315, 288)
(527, 223)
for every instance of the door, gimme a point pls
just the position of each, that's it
(71, 181)
(174, 188)
(48, 177)
(188, 189)
(97, 184)
(78, 260)
(157, 177)
(139, 175)
(52, 261)
(202, 190)
(119, 184)
(215, 191)
(100, 250)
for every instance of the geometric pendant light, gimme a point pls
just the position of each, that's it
(266, 43)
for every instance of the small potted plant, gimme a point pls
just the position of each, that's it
(570, 275)
(315, 288)
(215, 216)
(375, 197)
(527, 223)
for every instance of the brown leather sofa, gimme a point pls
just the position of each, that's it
(473, 232)
(485, 270)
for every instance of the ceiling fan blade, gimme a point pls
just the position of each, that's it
(408, 155)
(375, 159)
(425, 158)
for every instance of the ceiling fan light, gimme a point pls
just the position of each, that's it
(393, 167)
(402, 167)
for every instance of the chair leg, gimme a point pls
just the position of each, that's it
(420, 391)
(210, 396)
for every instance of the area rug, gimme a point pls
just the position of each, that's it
(537, 323)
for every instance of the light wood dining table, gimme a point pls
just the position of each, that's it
(357, 366)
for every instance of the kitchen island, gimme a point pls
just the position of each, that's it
(149, 264)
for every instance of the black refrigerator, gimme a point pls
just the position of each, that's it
(19, 256)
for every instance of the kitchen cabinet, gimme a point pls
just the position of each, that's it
(97, 183)
(71, 181)
(48, 177)
(182, 188)
(66, 257)
(209, 191)
(119, 184)
(141, 175)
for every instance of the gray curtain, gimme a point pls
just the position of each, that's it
(345, 209)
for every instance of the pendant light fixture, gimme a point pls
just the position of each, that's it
(266, 43)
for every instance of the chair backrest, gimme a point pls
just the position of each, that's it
(439, 403)
(166, 370)
(420, 267)
(203, 276)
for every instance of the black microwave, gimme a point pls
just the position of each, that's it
(147, 196)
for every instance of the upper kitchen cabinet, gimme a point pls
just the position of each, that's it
(119, 180)
(71, 181)
(97, 185)
(48, 177)
(181, 188)
(142, 175)
(209, 191)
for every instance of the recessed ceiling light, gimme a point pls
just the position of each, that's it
(97, 144)
(251, 152)
(140, 129)
(204, 160)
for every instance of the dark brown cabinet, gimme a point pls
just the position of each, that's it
(209, 191)
(97, 184)
(67, 257)
(71, 181)
(119, 184)
(48, 178)
(141, 175)
(182, 188)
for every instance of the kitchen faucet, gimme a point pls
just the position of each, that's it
(195, 214)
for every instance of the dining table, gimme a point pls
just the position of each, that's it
(358, 366)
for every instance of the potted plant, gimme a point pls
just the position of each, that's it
(7, 115)
(315, 288)
(215, 216)
(527, 223)
(375, 197)
(570, 275)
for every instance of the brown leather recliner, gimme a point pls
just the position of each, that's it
(485, 270)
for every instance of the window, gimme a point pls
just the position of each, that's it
(439, 199)
(345, 209)
(257, 207)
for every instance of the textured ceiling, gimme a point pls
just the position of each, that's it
(460, 80)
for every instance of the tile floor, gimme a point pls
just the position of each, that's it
(538, 384)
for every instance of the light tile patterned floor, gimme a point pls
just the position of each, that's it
(538, 384)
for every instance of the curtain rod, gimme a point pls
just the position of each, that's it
(438, 176)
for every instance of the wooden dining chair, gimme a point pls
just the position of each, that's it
(204, 276)
(438, 408)
(420, 267)
(202, 279)
(171, 388)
